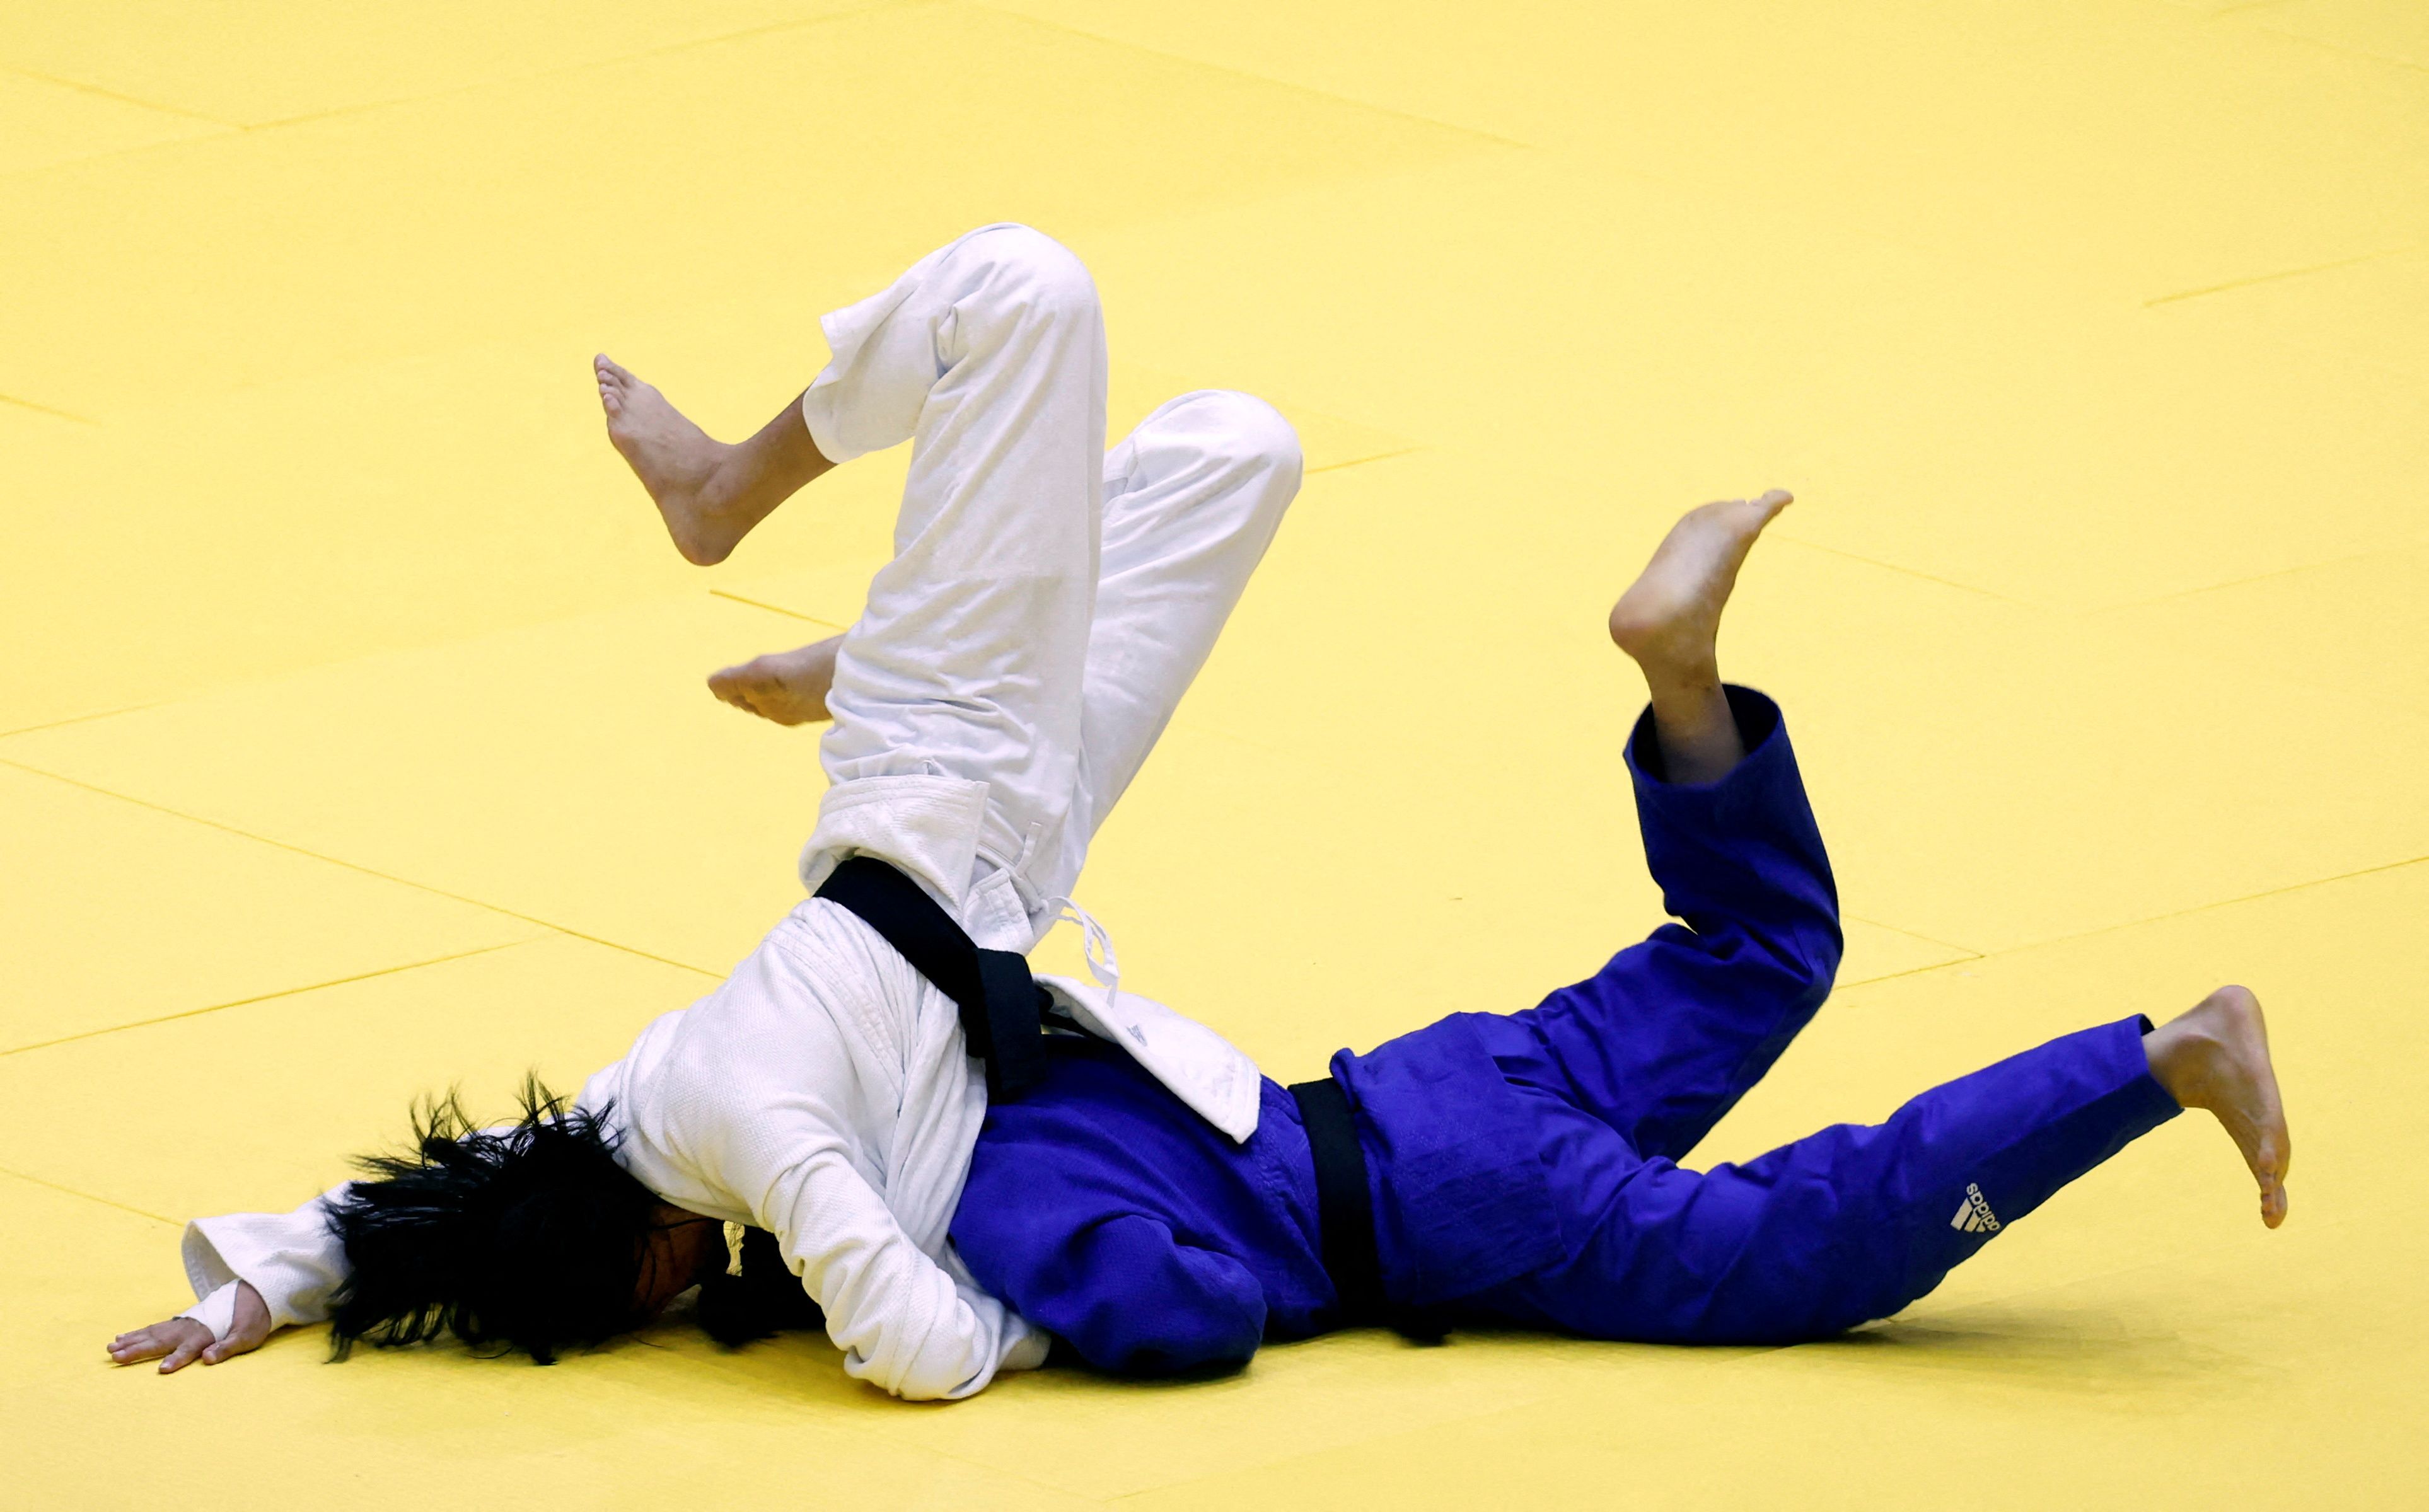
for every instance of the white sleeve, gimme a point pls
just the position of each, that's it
(292, 1259)
(215, 1312)
(903, 1322)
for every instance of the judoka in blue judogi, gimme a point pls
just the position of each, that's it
(1523, 1169)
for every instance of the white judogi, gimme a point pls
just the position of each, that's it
(1048, 604)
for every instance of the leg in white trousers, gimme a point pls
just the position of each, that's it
(1047, 602)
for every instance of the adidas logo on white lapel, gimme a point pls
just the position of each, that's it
(1973, 1215)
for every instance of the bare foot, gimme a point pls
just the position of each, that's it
(2216, 1056)
(1669, 620)
(789, 687)
(676, 461)
(710, 494)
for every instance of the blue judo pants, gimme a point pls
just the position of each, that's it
(1609, 1083)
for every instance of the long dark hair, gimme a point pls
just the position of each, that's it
(528, 1238)
(767, 1299)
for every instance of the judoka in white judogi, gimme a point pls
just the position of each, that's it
(1047, 605)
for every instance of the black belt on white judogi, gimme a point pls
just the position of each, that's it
(1001, 1004)
(1002, 1010)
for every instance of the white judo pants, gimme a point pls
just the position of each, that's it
(1049, 601)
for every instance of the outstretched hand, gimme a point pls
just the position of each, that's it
(182, 1341)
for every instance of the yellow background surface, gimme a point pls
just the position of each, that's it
(351, 739)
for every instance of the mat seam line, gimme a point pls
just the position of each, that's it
(1965, 954)
(1910, 971)
(2273, 678)
(1892, 566)
(1900, 928)
(2232, 284)
(1360, 462)
(78, 719)
(73, 1192)
(262, 998)
(776, 609)
(45, 409)
(2231, 902)
(2004, 952)
(449, 641)
(244, 129)
(572, 69)
(1266, 79)
(82, 87)
(2343, 49)
(2346, 560)
(356, 866)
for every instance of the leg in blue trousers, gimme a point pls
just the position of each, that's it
(1838, 1229)
(1666, 1037)
(1617, 1078)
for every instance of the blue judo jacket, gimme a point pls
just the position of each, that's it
(1103, 1210)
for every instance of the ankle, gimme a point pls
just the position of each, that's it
(722, 482)
(1687, 695)
(2179, 1053)
(1682, 682)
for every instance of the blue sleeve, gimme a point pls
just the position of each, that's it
(1132, 1298)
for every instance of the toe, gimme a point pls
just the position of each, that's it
(734, 684)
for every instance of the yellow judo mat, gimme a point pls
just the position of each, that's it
(355, 741)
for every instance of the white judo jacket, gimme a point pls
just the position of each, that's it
(1015, 664)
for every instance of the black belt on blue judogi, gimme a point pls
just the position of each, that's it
(1345, 1208)
(1000, 1003)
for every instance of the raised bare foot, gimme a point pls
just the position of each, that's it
(1669, 620)
(676, 461)
(789, 687)
(2216, 1056)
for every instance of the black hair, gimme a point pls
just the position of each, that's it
(529, 1238)
(767, 1299)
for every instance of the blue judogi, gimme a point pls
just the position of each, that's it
(1522, 1166)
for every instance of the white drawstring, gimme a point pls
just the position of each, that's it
(733, 1248)
(1103, 964)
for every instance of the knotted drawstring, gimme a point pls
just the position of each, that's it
(1096, 946)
